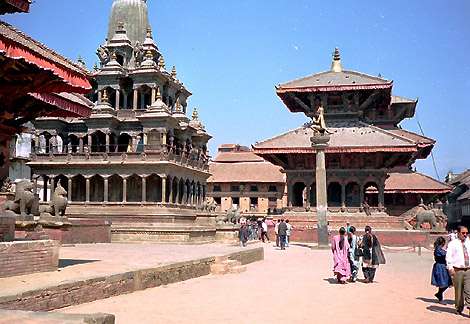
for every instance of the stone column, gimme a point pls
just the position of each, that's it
(80, 145)
(69, 191)
(44, 187)
(124, 190)
(87, 189)
(170, 194)
(106, 189)
(381, 195)
(100, 94)
(134, 103)
(185, 195)
(307, 196)
(144, 188)
(164, 188)
(118, 98)
(90, 143)
(52, 187)
(361, 193)
(289, 194)
(320, 142)
(124, 97)
(343, 195)
(177, 197)
(107, 142)
(152, 98)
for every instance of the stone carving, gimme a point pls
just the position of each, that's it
(233, 215)
(58, 203)
(435, 217)
(138, 53)
(209, 205)
(7, 185)
(103, 55)
(25, 202)
(426, 216)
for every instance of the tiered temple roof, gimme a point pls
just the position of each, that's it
(12, 6)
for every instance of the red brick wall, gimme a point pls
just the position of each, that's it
(7, 229)
(17, 258)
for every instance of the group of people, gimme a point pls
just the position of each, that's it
(452, 267)
(350, 252)
(258, 229)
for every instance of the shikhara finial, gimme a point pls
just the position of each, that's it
(161, 62)
(104, 98)
(336, 64)
(195, 114)
(173, 72)
(149, 32)
(159, 95)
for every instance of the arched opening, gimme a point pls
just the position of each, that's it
(154, 140)
(298, 194)
(112, 142)
(44, 142)
(127, 93)
(353, 195)
(371, 194)
(120, 58)
(334, 194)
(124, 143)
(181, 191)
(111, 96)
(78, 188)
(60, 144)
(188, 192)
(199, 194)
(313, 195)
(134, 188)
(174, 190)
(97, 188)
(144, 98)
(98, 141)
(154, 188)
(115, 188)
(73, 143)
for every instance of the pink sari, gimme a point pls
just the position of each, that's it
(341, 267)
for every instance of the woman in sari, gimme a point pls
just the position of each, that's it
(340, 249)
(372, 255)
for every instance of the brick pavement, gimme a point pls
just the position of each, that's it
(292, 286)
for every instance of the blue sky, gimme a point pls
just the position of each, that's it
(230, 55)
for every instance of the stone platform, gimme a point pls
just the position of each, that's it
(95, 271)
(10, 316)
(154, 222)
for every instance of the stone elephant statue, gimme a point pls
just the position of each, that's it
(25, 202)
(233, 215)
(426, 216)
(209, 205)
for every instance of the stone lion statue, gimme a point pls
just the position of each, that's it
(209, 205)
(58, 202)
(432, 216)
(233, 215)
(25, 202)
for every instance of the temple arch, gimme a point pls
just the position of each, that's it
(353, 195)
(78, 188)
(124, 142)
(371, 193)
(98, 140)
(73, 143)
(134, 188)
(298, 194)
(181, 191)
(97, 188)
(115, 188)
(154, 188)
(334, 194)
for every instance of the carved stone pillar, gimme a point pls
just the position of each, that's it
(124, 190)
(320, 143)
(164, 188)
(152, 98)
(90, 143)
(124, 97)
(136, 96)
(118, 98)
(51, 187)
(307, 196)
(87, 189)
(361, 193)
(170, 194)
(185, 194)
(381, 195)
(69, 189)
(144, 188)
(80, 145)
(177, 197)
(106, 189)
(343, 195)
(107, 142)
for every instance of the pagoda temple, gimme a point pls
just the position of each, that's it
(368, 158)
(137, 160)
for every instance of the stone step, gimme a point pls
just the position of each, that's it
(238, 269)
(219, 268)
(221, 258)
(232, 263)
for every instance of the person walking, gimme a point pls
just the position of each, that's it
(243, 234)
(288, 232)
(276, 230)
(354, 255)
(440, 276)
(372, 255)
(458, 264)
(340, 247)
(282, 233)
(264, 230)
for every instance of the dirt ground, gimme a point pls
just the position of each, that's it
(291, 286)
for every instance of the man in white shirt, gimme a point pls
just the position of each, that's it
(458, 264)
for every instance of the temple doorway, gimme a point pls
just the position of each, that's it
(298, 194)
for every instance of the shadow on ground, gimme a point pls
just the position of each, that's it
(70, 262)
(443, 309)
(435, 301)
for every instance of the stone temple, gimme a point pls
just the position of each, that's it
(137, 160)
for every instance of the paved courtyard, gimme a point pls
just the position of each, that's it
(292, 286)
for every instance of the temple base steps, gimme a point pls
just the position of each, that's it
(223, 265)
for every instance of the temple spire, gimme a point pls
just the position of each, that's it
(336, 64)
(131, 15)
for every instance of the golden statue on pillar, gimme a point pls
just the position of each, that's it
(318, 123)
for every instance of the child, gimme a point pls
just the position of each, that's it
(440, 277)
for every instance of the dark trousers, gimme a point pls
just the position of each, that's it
(277, 239)
(369, 273)
(461, 282)
(282, 240)
(263, 235)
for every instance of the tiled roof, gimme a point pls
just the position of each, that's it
(412, 136)
(330, 78)
(402, 100)
(346, 136)
(464, 177)
(245, 172)
(405, 182)
(11, 6)
(237, 157)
